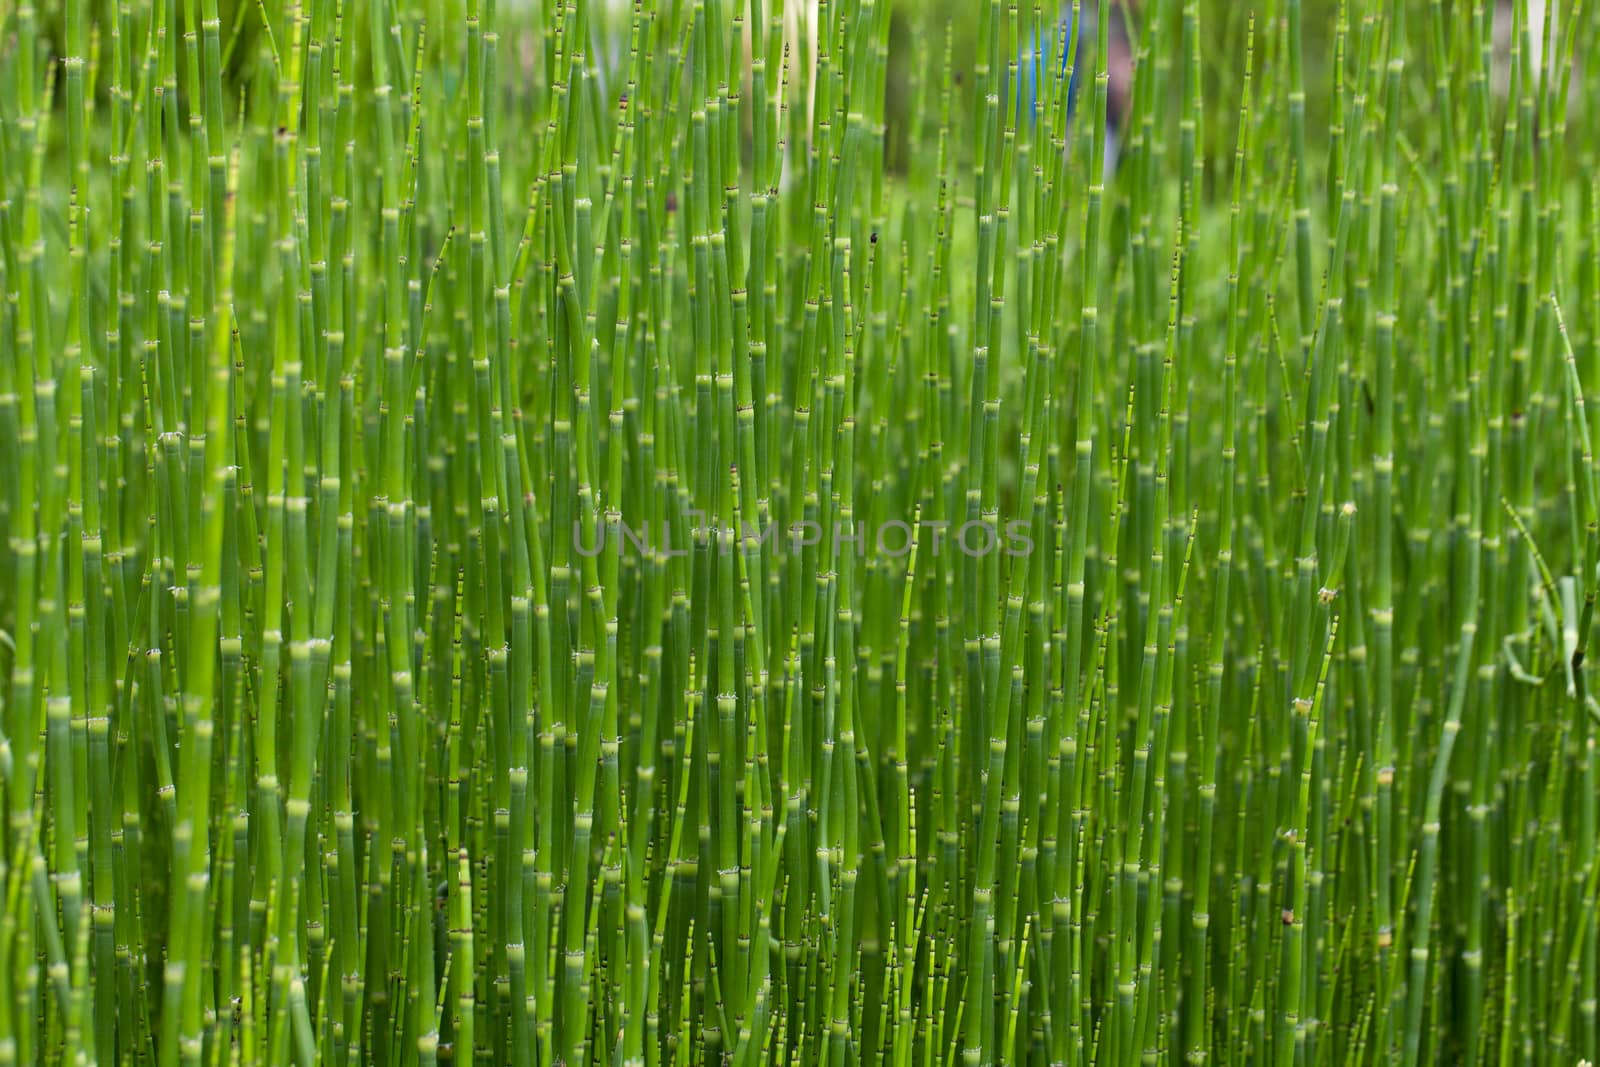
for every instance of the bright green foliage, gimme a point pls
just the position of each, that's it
(395, 665)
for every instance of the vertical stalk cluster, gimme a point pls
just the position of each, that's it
(738, 531)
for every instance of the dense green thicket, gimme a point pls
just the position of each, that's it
(558, 535)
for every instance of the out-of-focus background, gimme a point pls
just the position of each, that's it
(921, 31)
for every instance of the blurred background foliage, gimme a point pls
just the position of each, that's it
(925, 36)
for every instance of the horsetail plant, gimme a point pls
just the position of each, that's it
(753, 531)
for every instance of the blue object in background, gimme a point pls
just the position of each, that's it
(1033, 61)
(1033, 67)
